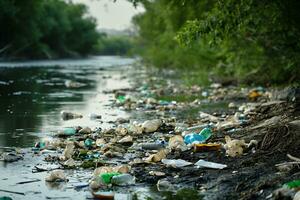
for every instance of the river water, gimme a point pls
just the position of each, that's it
(33, 93)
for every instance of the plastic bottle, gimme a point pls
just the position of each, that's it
(89, 142)
(198, 138)
(206, 133)
(69, 131)
(193, 138)
(123, 179)
(292, 184)
(153, 145)
(106, 178)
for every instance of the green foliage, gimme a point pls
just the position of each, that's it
(114, 45)
(254, 41)
(45, 28)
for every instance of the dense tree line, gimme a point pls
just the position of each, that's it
(45, 29)
(114, 45)
(253, 41)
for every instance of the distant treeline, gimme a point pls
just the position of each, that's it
(253, 41)
(33, 29)
(114, 45)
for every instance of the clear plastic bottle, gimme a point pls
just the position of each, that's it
(123, 179)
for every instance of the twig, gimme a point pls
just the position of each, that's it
(293, 158)
(31, 181)
(13, 192)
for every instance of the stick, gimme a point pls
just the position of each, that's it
(20, 193)
(31, 181)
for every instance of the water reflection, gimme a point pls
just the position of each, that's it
(32, 94)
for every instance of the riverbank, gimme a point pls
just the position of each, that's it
(259, 116)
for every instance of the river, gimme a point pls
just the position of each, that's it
(33, 93)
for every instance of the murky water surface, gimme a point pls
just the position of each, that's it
(32, 95)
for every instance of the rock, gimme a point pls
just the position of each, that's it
(56, 175)
(121, 120)
(151, 126)
(127, 139)
(10, 157)
(85, 130)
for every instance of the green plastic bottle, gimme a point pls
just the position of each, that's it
(206, 134)
(106, 177)
(69, 131)
(292, 184)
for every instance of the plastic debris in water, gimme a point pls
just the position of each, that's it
(207, 164)
(56, 175)
(176, 162)
(204, 135)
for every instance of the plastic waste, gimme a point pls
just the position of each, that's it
(121, 99)
(100, 142)
(69, 151)
(73, 84)
(164, 185)
(103, 195)
(69, 115)
(80, 185)
(176, 142)
(292, 184)
(207, 147)
(118, 169)
(106, 177)
(152, 146)
(123, 179)
(297, 196)
(89, 143)
(67, 131)
(56, 176)
(150, 126)
(234, 147)
(158, 156)
(207, 164)
(208, 117)
(176, 162)
(94, 116)
(70, 163)
(204, 135)
(157, 173)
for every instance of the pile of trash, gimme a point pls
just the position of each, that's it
(228, 149)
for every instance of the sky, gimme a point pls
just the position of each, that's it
(111, 15)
